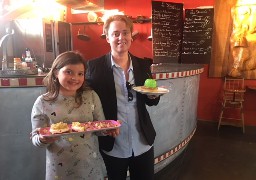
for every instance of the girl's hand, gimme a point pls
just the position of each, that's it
(45, 140)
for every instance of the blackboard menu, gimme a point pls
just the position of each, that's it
(197, 36)
(167, 23)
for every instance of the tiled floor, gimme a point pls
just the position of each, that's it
(227, 154)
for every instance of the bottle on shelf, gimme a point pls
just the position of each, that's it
(28, 59)
(17, 64)
(23, 57)
(28, 55)
(4, 64)
(34, 63)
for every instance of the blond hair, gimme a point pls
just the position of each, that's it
(122, 18)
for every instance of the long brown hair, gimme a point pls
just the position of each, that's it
(52, 83)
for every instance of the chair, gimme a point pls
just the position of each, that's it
(233, 98)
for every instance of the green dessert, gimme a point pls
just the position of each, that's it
(150, 84)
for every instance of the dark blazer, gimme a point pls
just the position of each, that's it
(99, 76)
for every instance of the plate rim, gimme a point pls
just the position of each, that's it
(148, 92)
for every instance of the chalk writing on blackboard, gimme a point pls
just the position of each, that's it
(197, 36)
(167, 31)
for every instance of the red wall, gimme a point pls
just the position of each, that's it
(209, 103)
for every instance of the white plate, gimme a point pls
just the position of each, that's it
(158, 91)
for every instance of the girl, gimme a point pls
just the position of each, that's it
(68, 99)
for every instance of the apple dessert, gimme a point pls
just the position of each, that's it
(77, 126)
(58, 128)
(150, 84)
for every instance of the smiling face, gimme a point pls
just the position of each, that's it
(119, 37)
(71, 78)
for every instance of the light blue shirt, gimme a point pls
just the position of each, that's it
(130, 140)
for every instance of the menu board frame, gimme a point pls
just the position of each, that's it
(197, 36)
(167, 25)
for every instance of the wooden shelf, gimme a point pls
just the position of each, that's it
(86, 23)
(140, 21)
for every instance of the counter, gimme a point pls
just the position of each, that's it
(22, 81)
(174, 119)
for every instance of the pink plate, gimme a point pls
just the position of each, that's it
(89, 127)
